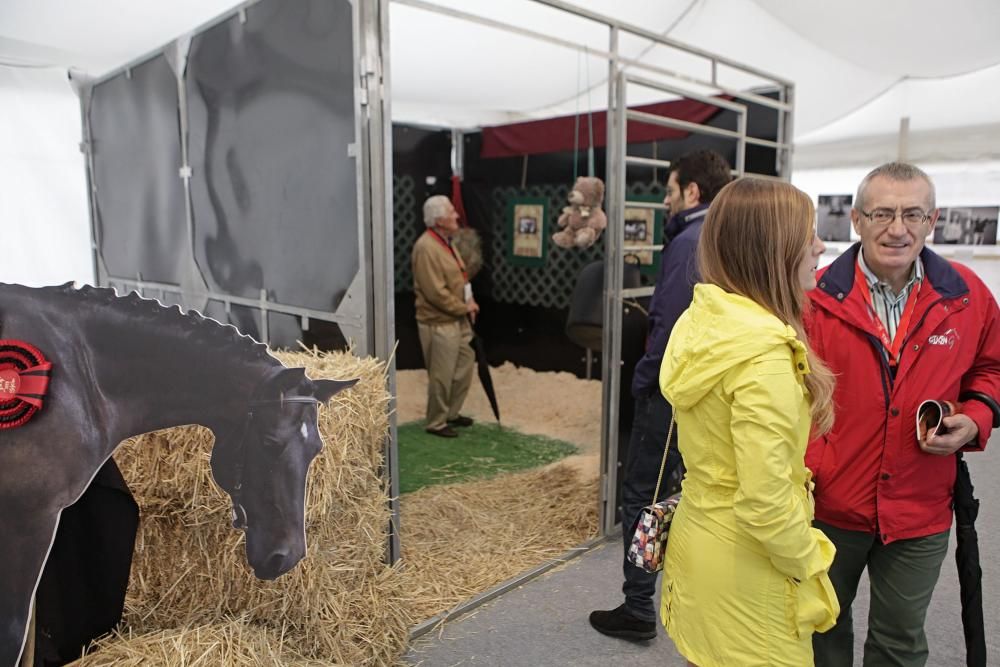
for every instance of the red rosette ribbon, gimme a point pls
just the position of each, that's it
(24, 382)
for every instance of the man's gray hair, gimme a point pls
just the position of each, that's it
(895, 171)
(435, 207)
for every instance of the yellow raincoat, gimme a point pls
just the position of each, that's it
(745, 580)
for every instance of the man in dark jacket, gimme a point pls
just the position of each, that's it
(694, 180)
(897, 324)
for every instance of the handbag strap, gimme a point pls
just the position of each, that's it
(663, 463)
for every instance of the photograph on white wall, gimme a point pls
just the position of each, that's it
(967, 225)
(833, 217)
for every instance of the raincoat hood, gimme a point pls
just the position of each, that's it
(719, 331)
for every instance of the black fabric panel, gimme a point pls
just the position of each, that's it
(81, 594)
(138, 192)
(422, 155)
(271, 109)
(419, 152)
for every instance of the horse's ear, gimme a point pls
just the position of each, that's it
(325, 389)
(288, 378)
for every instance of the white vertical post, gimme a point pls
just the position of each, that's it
(904, 138)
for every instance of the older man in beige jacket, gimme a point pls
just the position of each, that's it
(445, 310)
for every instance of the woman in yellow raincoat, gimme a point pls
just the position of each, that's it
(745, 579)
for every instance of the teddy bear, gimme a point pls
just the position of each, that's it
(470, 248)
(583, 220)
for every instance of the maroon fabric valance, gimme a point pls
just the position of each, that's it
(556, 134)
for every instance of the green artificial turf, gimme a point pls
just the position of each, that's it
(481, 451)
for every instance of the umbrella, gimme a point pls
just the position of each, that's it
(483, 369)
(970, 574)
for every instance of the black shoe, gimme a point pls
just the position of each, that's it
(443, 432)
(461, 421)
(621, 623)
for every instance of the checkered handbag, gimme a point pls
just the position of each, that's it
(649, 542)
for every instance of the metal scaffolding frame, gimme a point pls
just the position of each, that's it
(373, 312)
(621, 75)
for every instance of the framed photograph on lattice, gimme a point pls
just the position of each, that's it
(528, 239)
(644, 226)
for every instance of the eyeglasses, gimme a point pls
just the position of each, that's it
(883, 217)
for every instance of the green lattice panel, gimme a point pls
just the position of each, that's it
(550, 285)
(406, 228)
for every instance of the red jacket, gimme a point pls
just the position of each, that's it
(870, 473)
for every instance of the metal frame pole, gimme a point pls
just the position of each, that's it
(788, 96)
(378, 134)
(613, 240)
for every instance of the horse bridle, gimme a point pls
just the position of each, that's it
(239, 513)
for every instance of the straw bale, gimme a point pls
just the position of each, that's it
(233, 642)
(457, 542)
(341, 604)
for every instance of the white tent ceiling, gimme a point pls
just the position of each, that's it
(858, 66)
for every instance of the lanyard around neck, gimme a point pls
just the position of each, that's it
(446, 243)
(893, 346)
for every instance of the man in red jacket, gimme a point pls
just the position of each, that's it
(898, 325)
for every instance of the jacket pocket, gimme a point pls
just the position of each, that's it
(816, 454)
(810, 605)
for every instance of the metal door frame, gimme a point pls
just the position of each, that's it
(618, 159)
(618, 117)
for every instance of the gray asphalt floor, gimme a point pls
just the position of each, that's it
(544, 622)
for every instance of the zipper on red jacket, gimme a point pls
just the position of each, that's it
(885, 371)
(888, 379)
(914, 330)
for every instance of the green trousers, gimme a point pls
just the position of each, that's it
(902, 575)
(450, 362)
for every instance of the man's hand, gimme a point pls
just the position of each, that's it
(961, 431)
(472, 308)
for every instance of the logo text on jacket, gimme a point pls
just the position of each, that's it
(948, 338)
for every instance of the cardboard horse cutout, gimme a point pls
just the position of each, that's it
(123, 366)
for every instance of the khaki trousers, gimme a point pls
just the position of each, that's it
(449, 359)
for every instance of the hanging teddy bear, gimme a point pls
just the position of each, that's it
(583, 220)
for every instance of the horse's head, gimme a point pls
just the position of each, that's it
(262, 465)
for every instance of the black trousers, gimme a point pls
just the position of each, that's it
(642, 466)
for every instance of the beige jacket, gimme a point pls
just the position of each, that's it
(438, 282)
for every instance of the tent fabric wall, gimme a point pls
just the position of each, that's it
(445, 70)
(43, 185)
(271, 104)
(857, 67)
(954, 119)
(139, 203)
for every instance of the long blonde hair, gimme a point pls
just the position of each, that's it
(752, 244)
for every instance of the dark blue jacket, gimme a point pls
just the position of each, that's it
(673, 294)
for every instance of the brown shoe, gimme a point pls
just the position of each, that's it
(461, 421)
(443, 432)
